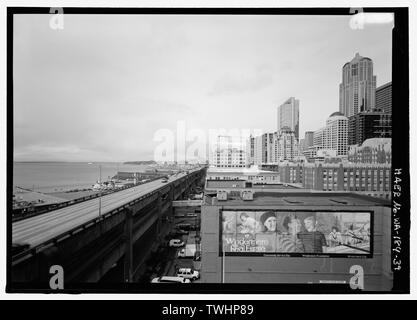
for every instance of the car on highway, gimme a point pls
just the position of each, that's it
(165, 180)
(188, 273)
(168, 279)
(176, 243)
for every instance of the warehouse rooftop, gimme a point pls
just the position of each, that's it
(299, 198)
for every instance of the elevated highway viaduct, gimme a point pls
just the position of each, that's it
(89, 238)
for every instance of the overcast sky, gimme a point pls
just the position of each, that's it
(99, 89)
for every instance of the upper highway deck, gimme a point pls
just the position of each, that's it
(39, 229)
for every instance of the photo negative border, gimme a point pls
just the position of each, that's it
(400, 159)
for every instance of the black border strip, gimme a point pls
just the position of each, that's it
(9, 148)
(323, 11)
(400, 147)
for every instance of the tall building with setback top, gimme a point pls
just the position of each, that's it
(288, 116)
(357, 90)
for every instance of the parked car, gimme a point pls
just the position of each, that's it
(194, 227)
(188, 273)
(167, 279)
(197, 256)
(176, 243)
(183, 226)
(188, 251)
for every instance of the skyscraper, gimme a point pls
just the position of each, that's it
(318, 138)
(366, 125)
(383, 97)
(336, 133)
(334, 136)
(308, 139)
(250, 151)
(288, 116)
(261, 149)
(357, 90)
(287, 145)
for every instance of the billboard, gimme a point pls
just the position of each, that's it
(296, 233)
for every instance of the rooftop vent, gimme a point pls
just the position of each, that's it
(222, 195)
(246, 195)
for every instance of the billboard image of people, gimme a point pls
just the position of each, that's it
(296, 233)
(247, 223)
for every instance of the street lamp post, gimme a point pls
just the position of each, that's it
(223, 264)
(99, 195)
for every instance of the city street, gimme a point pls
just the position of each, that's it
(171, 261)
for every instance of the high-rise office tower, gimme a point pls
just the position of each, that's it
(357, 90)
(302, 144)
(250, 151)
(288, 116)
(383, 98)
(287, 145)
(334, 136)
(336, 133)
(318, 138)
(261, 149)
(270, 147)
(308, 139)
(366, 125)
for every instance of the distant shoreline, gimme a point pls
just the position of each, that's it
(140, 162)
(93, 162)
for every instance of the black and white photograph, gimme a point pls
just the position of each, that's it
(198, 150)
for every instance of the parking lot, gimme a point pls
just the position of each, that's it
(168, 260)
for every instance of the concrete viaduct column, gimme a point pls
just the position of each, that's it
(128, 261)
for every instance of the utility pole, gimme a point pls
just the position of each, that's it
(128, 260)
(223, 264)
(99, 197)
